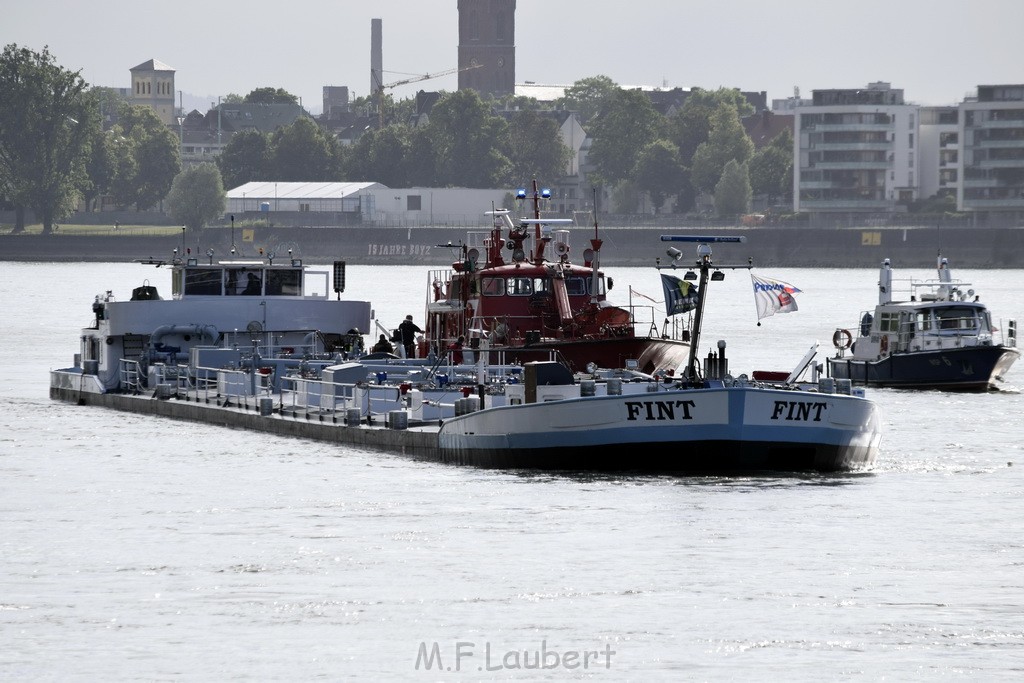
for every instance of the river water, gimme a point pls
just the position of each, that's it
(136, 548)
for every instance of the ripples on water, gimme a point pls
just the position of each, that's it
(136, 548)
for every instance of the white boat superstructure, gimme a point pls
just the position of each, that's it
(240, 311)
(939, 335)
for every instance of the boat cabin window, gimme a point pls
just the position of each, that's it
(889, 322)
(955, 319)
(519, 286)
(203, 281)
(455, 288)
(492, 286)
(576, 286)
(284, 282)
(244, 281)
(924, 321)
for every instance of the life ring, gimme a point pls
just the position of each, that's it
(883, 344)
(842, 339)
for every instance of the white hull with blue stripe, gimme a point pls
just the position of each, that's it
(730, 425)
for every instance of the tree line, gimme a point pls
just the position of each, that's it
(56, 154)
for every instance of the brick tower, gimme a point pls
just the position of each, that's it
(487, 31)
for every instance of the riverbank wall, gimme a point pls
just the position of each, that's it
(790, 247)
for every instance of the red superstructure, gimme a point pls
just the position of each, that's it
(515, 291)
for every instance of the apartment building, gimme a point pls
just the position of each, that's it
(868, 150)
(854, 150)
(938, 151)
(991, 130)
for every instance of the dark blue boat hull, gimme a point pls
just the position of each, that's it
(973, 368)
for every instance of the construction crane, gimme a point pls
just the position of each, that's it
(381, 87)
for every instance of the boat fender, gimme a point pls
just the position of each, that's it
(883, 344)
(842, 339)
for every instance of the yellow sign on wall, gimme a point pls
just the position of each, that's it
(248, 234)
(870, 239)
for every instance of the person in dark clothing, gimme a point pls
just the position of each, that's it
(383, 345)
(253, 285)
(409, 330)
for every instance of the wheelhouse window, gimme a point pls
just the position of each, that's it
(576, 286)
(519, 286)
(244, 281)
(492, 286)
(203, 281)
(956, 319)
(284, 282)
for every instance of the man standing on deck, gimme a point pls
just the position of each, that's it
(409, 330)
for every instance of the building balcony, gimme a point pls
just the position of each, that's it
(981, 183)
(848, 127)
(880, 166)
(999, 144)
(845, 205)
(1001, 123)
(999, 163)
(837, 185)
(850, 147)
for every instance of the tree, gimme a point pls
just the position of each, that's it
(145, 180)
(626, 126)
(159, 163)
(197, 196)
(625, 197)
(732, 192)
(727, 141)
(245, 158)
(421, 164)
(304, 152)
(658, 172)
(270, 96)
(380, 155)
(588, 96)
(99, 168)
(123, 182)
(470, 143)
(771, 168)
(691, 125)
(535, 147)
(46, 121)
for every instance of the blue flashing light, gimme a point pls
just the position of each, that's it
(545, 193)
(521, 193)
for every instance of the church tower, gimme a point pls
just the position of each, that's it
(153, 86)
(487, 32)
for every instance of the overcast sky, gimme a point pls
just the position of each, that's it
(938, 51)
